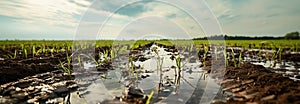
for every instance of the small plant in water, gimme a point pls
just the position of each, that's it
(177, 78)
(131, 68)
(159, 65)
(150, 97)
(178, 63)
(233, 58)
(79, 61)
(205, 55)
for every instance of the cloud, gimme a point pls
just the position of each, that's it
(257, 17)
(165, 11)
(246, 17)
(52, 12)
(116, 21)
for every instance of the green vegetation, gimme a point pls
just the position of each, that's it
(225, 58)
(233, 58)
(292, 35)
(44, 46)
(150, 97)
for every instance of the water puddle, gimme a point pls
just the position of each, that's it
(154, 70)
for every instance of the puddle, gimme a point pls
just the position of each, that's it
(284, 67)
(185, 87)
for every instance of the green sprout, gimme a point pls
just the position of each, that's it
(44, 48)
(233, 57)
(25, 53)
(68, 60)
(91, 57)
(131, 64)
(52, 51)
(65, 69)
(177, 79)
(150, 97)
(225, 57)
(79, 61)
(279, 53)
(159, 65)
(33, 50)
(178, 63)
(112, 53)
(68, 68)
(205, 55)
(240, 59)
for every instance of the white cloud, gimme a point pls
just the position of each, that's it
(117, 21)
(235, 17)
(257, 17)
(51, 12)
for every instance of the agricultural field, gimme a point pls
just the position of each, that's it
(150, 71)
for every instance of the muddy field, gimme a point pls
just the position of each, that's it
(153, 73)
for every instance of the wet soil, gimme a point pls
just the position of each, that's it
(14, 69)
(248, 83)
(255, 84)
(50, 87)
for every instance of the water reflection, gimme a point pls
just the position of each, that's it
(159, 73)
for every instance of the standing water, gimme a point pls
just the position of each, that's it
(153, 69)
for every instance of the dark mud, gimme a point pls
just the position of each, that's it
(14, 69)
(50, 87)
(255, 84)
(248, 83)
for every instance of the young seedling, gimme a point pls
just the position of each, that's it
(65, 69)
(279, 53)
(52, 51)
(91, 57)
(159, 65)
(177, 78)
(240, 59)
(33, 50)
(68, 60)
(158, 58)
(178, 63)
(150, 97)
(233, 57)
(205, 55)
(131, 65)
(275, 55)
(15, 54)
(79, 61)
(112, 53)
(44, 49)
(225, 57)
(25, 53)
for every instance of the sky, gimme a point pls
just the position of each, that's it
(135, 19)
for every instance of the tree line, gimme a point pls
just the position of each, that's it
(288, 36)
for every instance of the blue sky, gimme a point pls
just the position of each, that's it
(128, 19)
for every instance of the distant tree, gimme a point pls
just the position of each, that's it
(292, 35)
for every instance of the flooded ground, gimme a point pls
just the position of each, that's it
(151, 69)
(167, 75)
